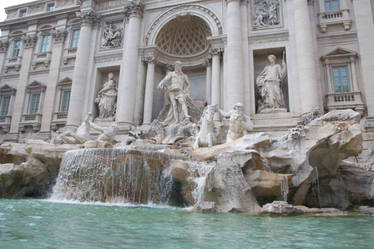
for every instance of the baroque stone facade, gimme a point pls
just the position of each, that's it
(279, 58)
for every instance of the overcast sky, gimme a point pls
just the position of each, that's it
(7, 3)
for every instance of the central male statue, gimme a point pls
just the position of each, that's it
(177, 93)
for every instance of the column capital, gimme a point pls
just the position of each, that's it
(149, 59)
(134, 8)
(59, 36)
(216, 51)
(29, 41)
(4, 45)
(88, 17)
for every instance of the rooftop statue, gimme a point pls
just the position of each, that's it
(269, 85)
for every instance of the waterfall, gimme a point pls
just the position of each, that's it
(315, 186)
(114, 175)
(203, 170)
(284, 188)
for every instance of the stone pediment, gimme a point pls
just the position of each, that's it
(339, 52)
(7, 90)
(65, 81)
(35, 85)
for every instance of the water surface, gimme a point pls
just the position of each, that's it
(41, 224)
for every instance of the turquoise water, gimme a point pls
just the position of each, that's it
(40, 224)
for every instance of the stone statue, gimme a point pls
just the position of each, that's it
(107, 99)
(206, 136)
(112, 36)
(177, 94)
(267, 13)
(269, 86)
(80, 136)
(239, 124)
(108, 134)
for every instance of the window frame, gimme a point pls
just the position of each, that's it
(72, 40)
(15, 41)
(22, 12)
(49, 5)
(349, 78)
(45, 46)
(330, 3)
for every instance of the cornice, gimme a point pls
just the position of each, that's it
(36, 17)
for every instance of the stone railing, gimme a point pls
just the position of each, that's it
(347, 100)
(13, 62)
(30, 120)
(58, 120)
(335, 17)
(5, 123)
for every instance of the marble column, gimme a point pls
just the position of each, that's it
(246, 72)
(29, 42)
(208, 88)
(140, 92)
(365, 33)
(235, 88)
(216, 76)
(306, 64)
(50, 95)
(79, 83)
(149, 88)
(129, 66)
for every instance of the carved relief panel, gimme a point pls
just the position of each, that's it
(266, 14)
(112, 35)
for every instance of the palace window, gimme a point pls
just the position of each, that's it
(74, 38)
(50, 7)
(22, 12)
(16, 48)
(65, 99)
(332, 5)
(4, 105)
(342, 83)
(44, 47)
(341, 79)
(34, 103)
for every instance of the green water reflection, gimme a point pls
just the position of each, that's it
(40, 224)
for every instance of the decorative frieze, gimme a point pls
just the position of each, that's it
(59, 36)
(29, 41)
(134, 8)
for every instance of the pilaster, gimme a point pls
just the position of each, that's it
(29, 42)
(149, 88)
(4, 45)
(53, 76)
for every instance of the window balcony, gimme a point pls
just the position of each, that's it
(347, 100)
(342, 17)
(58, 120)
(5, 123)
(30, 120)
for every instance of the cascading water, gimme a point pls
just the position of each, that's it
(285, 188)
(114, 175)
(201, 181)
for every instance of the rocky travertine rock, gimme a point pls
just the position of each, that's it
(280, 207)
(35, 168)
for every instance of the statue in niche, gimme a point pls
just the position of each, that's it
(112, 36)
(177, 93)
(206, 136)
(239, 124)
(107, 99)
(267, 13)
(269, 86)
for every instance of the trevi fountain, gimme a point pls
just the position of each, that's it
(194, 174)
